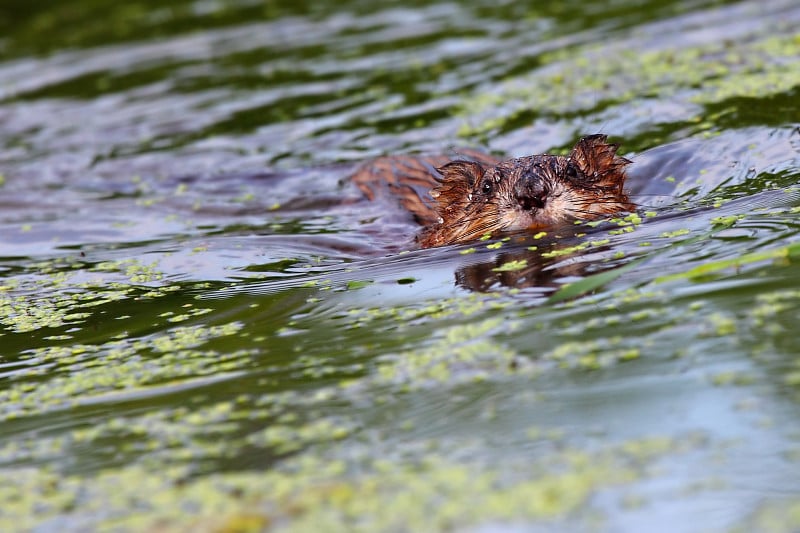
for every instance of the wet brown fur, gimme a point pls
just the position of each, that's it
(479, 194)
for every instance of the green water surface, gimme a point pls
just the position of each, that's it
(204, 328)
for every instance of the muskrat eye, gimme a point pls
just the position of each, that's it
(572, 171)
(487, 187)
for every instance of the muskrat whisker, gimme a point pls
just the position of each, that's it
(482, 229)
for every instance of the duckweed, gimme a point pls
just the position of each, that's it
(756, 66)
(313, 494)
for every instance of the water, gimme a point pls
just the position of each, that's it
(203, 326)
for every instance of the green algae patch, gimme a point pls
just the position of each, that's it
(773, 517)
(770, 305)
(134, 270)
(355, 285)
(726, 221)
(593, 355)
(752, 66)
(282, 438)
(562, 252)
(461, 354)
(732, 378)
(63, 292)
(675, 233)
(721, 325)
(79, 374)
(512, 266)
(328, 494)
(51, 306)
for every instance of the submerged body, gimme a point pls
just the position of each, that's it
(480, 194)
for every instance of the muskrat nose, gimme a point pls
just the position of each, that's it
(530, 194)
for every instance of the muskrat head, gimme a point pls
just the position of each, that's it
(530, 192)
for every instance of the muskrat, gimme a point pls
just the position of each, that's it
(479, 194)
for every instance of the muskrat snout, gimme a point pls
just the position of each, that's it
(477, 198)
(530, 192)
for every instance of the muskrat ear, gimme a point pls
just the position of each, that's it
(462, 170)
(597, 159)
(458, 179)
